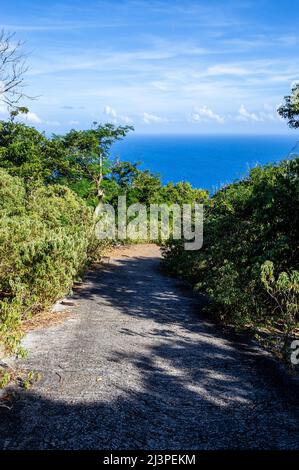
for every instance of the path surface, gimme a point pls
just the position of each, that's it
(135, 366)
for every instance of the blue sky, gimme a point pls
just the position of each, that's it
(164, 66)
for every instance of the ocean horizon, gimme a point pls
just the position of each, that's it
(206, 161)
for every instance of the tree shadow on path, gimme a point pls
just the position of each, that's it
(174, 380)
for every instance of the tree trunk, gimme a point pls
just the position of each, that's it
(99, 192)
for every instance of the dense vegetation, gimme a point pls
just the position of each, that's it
(49, 189)
(248, 264)
(45, 235)
(289, 110)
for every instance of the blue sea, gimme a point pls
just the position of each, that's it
(205, 161)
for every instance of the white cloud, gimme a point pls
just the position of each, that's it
(109, 111)
(61, 26)
(245, 115)
(125, 119)
(3, 109)
(74, 123)
(267, 114)
(29, 117)
(32, 117)
(205, 114)
(160, 85)
(227, 70)
(288, 40)
(152, 118)
(1, 87)
(3, 106)
(163, 75)
(267, 107)
(53, 123)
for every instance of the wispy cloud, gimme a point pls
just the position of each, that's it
(52, 123)
(160, 85)
(152, 118)
(61, 26)
(137, 55)
(244, 115)
(206, 114)
(3, 109)
(32, 117)
(110, 112)
(265, 115)
(227, 70)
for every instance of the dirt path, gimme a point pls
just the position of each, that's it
(135, 366)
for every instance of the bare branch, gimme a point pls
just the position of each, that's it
(12, 70)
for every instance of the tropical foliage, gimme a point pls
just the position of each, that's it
(45, 236)
(250, 229)
(49, 188)
(290, 108)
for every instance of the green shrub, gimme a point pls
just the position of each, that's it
(12, 195)
(246, 224)
(45, 237)
(283, 297)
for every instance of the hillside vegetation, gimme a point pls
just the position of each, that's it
(45, 235)
(48, 194)
(50, 188)
(248, 265)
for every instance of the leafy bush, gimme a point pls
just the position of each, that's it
(246, 224)
(283, 296)
(12, 195)
(28, 153)
(44, 240)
